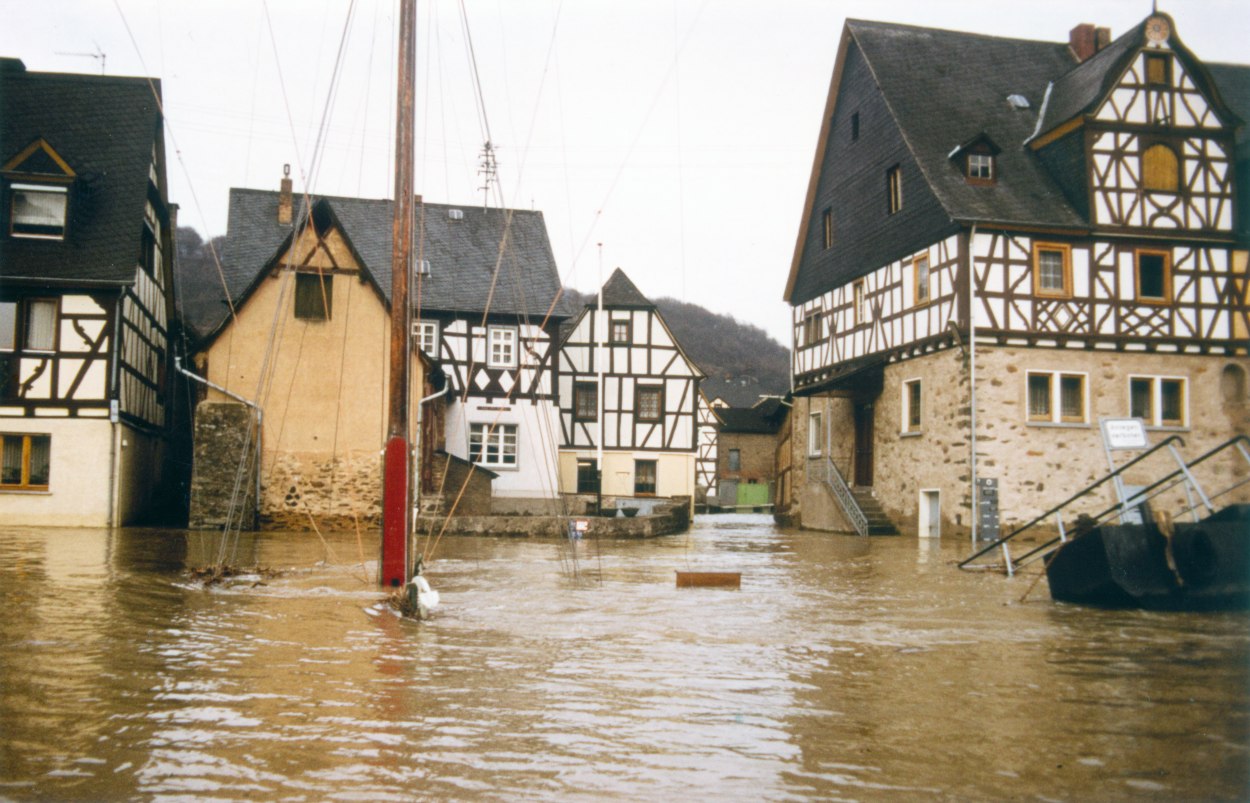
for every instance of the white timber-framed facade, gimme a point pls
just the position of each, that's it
(649, 422)
(86, 312)
(1075, 249)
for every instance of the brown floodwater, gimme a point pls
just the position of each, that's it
(843, 669)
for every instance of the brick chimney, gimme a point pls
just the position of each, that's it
(1085, 40)
(284, 196)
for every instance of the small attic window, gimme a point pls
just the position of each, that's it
(1019, 102)
(455, 214)
(980, 168)
(38, 211)
(1158, 69)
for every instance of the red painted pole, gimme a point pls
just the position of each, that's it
(396, 505)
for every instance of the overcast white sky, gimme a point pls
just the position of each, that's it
(677, 133)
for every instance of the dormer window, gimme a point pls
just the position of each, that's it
(980, 167)
(38, 210)
(976, 158)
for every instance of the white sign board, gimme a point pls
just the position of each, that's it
(1124, 433)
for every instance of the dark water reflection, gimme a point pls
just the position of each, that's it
(844, 668)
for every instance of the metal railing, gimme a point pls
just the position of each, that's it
(822, 468)
(1182, 474)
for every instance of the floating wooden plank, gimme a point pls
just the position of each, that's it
(709, 579)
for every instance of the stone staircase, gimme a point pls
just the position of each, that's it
(878, 522)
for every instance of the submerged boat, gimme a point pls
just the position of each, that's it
(1202, 565)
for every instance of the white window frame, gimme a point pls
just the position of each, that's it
(815, 433)
(1156, 400)
(45, 189)
(1055, 415)
(507, 338)
(425, 333)
(499, 438)
(906, 427)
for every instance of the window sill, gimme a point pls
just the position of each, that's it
(27, 491)
(1059, 424)
(1167, 428)
(916, 433)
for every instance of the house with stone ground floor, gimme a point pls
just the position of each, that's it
(292, 365)
(1005, 242)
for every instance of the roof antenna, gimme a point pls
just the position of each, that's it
(98, 55)
(488, 171)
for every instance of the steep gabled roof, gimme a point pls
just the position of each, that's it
(461, 244)
(1083, 89)
(619, 291)
(945, 88)
(104, 128)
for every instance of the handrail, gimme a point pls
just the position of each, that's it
(1167, 482)
(996, 544)
(841, 491)
(1145, 494)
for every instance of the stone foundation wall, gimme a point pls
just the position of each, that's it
(334, 493)
(669, 518)
(221, 440)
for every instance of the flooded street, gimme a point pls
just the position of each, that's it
(844, 668)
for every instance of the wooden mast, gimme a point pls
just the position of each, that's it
(396, 504)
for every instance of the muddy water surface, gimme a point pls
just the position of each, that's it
(844, 668)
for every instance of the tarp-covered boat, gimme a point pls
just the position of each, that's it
(1199, 565)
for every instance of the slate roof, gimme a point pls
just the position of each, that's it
(462, 253)
(104, 127)
(942, 90)
(946, 87)
(619, 291)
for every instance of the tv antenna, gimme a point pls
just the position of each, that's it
(98, 55)
(488, 171)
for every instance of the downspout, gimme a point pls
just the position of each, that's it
(419, 444)
(259, 425)
(972, 375)
(115, 413)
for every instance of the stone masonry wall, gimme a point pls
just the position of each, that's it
(333, 493)
(221, 439)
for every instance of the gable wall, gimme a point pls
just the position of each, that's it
(852, 183)
(323, 391)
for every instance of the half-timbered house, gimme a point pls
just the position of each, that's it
(1003, 242)
(85, 298)
(628, 390)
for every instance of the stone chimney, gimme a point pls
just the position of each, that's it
(284, 197)
(1085, 40)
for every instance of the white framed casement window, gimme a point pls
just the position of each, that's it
(493, 445)
(911, 407)
(1159, 401)
(1055, 397)
(501, 346)
(815, 434)
(425, 337)
(38, 210)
